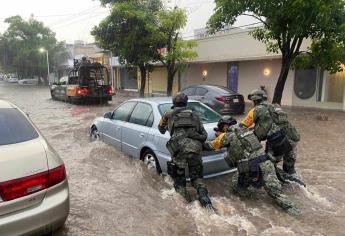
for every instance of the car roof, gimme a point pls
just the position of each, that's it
(156, 100)
(210, 87)
(4, 104)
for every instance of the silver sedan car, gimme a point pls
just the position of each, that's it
(133, 128)
(34, 196)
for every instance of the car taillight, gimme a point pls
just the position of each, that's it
(220, 98)
(17, 188)
(109, 91)
(56, 175)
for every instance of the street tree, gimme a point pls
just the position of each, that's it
(20, 43)
(178, 51)
(130, 33)
(286, 24)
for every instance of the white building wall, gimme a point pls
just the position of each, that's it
(216, 74)
(251, 76)
(237, 45)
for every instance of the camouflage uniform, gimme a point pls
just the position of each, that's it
(189, 140)
(266, 127)
(244, 147)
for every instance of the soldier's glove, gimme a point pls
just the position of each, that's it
(207, 146)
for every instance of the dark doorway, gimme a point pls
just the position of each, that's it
(233, 76)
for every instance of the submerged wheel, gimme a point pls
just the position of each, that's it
(94, 133)
(52, 94)
(151, 161)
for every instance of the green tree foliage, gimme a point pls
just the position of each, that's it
(178, 51)
(130, 32)
(20, 43)
(286, 24)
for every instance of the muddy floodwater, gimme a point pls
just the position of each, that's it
(113, 194)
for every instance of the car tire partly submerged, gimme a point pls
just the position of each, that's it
(150, 160)
(53, 96)
(94, 134)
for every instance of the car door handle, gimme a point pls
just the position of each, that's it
(142, 135)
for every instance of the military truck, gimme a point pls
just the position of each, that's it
(86, 82)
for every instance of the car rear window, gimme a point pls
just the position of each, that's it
(221, 90)
(206, 114)
(14, 127)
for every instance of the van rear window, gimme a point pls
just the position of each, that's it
(14, 127)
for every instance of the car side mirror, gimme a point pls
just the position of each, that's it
(107, 115)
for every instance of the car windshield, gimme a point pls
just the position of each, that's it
(14, 127)
(206, 114)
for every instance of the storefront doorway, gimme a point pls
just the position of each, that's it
(335, 85)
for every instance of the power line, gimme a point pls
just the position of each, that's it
(54, 15)
(224, 30)
(82, 13)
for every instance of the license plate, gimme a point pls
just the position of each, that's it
(235, 100)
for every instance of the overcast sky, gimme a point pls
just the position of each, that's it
(73, 19)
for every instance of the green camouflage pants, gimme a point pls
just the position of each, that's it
(193, 162)
(289, 158)
(270, 183)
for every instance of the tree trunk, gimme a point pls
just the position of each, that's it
(284, 71)
(143, 80)
(170, 81)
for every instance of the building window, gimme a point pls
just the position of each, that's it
(305, 83)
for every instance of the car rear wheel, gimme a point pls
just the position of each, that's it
(94, 133)
(151, 161)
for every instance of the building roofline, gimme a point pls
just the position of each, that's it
(252, 58)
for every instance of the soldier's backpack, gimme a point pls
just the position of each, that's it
(279, 117)
(248, 139)
(185, 119)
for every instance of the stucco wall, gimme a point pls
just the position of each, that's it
(216, 74)
(236, 45)
(251, 76)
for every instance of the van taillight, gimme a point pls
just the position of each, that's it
(17, 188)
(109, 91)
(83, 91)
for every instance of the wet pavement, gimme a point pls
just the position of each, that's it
(112, 194)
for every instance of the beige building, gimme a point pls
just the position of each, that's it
(235, 60)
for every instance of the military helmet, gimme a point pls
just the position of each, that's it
(226, 120)
(180, 100)
(257, 95)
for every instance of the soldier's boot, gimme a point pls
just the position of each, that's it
(289, 168)
(180, 187)
(291, 174)
(204, 200)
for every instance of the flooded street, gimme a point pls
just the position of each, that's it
(112, 194)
